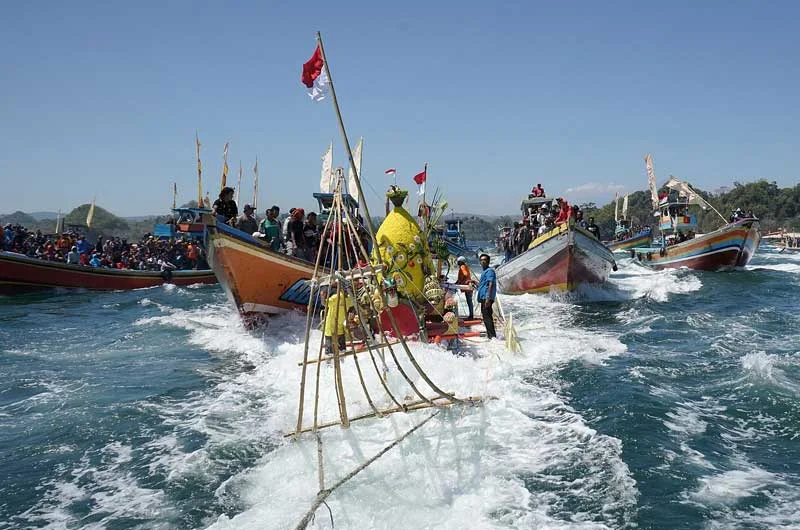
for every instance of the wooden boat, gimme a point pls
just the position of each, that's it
(562, 259)
(21, 274)
(784, 241)
(258, 281)
(639, 239)
(732, 245)
(453, 237)
(624, 238)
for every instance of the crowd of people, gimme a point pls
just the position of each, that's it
(297, 235)
(539, 220)
(148, 254)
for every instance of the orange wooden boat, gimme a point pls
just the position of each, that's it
(258, 281)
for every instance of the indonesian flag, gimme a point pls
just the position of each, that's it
(420, 179)
(663, 198)
(390, 171)
(314, 76)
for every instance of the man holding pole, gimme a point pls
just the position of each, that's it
(487, 289)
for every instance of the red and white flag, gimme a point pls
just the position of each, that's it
(314, 76)
(390, 171)
(420, 179)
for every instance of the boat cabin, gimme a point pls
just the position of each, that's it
(531, 204)
(186, 222)
(674, 217)
(452, 231)
(325, 203)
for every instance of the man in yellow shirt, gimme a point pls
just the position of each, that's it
(336, 319)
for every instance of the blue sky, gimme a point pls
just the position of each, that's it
(105, 97)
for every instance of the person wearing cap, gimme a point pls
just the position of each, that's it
(271, 228)
(487, 290)
(225, 206)
(465, 280)
(247, 222)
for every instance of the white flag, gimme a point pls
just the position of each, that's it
(351, 180)
(616, 206)
(625, 207)
(326, 177)
(90, 215)
(651, 178)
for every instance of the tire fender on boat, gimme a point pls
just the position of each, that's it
(662, 252)
(649, 256)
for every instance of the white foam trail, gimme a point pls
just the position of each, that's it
(637, 281)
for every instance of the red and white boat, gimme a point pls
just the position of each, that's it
(562, 259)
(22, 274)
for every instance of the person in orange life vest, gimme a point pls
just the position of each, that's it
(465, 278)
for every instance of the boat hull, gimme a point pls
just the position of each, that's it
(731, 246)
(22, 274)
(258, 281)
(563, 260)
(639, 240)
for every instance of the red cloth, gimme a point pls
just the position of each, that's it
(312, 68)
(419, 178)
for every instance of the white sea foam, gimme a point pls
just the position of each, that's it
(469, 467)
(636, 281)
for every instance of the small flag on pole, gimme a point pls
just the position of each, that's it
(390, 171)
(351, 180)
(420, 179)
(225, 165)
(314, 76)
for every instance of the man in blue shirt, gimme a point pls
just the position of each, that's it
(487, 289)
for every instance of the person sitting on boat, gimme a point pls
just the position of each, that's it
(593, 228)
(270, 228)
(247, 222)
(465, 279)
(537, 191)
(487, 290)
(83, 246)
(95, 261)
(225, 206)
(73, 257)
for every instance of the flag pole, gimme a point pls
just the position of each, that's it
(199, 173)
(174, 194)
(239, 186)
(425, 204)
(255, 184)
(362, 197)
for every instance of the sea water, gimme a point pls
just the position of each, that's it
(664, 400)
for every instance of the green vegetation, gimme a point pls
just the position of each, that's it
(104, 223)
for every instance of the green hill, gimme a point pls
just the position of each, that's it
(17, 218)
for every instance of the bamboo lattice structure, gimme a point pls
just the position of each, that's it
(351, 285)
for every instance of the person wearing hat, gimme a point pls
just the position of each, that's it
(465, 281)
(487, 290)
(225, 206)
(247, 222)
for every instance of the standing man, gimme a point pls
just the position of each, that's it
(247, 222)
(271, 228)
(311, 235)
(487, 289)
(465, 279)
